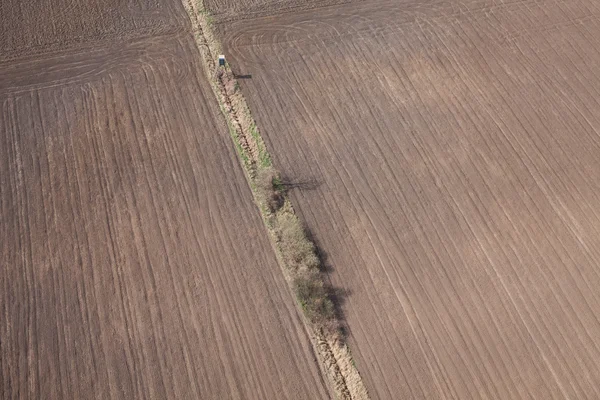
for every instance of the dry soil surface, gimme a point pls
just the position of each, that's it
(133, 263)
(453, 152)
(233, 10)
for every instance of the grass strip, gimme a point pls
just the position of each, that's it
(296, 253)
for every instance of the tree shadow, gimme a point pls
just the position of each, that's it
(308, 184)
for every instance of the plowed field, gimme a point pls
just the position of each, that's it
(133, 263)
(228, 10)
(456, 154)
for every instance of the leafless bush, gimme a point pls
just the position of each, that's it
(266, 191)
(298, 252)
(313, 296)
(301, 260)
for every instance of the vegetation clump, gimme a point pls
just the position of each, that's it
(266, 189)
(296, 250)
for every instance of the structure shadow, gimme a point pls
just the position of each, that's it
(246, 76)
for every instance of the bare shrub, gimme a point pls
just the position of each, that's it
(266, 192)
(313, 296)
(303, 264)
(298, 252)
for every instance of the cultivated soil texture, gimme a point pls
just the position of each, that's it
(133, 262)
(447, 157)
(230, 10)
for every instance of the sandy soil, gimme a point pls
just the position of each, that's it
(456, 155)
(133, 263)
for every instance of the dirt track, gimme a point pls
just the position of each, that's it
(133, 261)
(456, 153)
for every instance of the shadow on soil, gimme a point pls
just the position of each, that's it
(308, 184)
(247, 76)
(337, 295)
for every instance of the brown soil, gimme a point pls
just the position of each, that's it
(234, 10)
(457, 153)
(133, 261)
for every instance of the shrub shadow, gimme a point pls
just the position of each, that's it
(337, 295)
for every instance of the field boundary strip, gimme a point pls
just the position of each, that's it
(296, 254)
